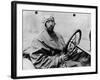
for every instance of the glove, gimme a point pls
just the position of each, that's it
(64, 57)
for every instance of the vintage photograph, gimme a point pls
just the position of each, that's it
(53, 39)
(56, 39)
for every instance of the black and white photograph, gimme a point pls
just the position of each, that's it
(58, 40)
(54, 39)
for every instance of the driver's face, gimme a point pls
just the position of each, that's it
(50, 25)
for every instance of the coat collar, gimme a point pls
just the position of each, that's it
(48, 36)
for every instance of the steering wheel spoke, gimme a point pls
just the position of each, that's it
(73, 41)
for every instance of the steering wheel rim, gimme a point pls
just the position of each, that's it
(70, 41)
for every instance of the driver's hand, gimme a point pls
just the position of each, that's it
(64, 57)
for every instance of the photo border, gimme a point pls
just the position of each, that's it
(14, 38)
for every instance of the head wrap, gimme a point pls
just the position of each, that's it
(47, 18)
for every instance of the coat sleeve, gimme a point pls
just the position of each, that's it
(41, 57)
(44, 61)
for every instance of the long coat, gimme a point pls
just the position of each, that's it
(45, 51)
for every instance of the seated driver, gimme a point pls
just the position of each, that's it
(47, 50)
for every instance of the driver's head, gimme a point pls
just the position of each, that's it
(49, 23)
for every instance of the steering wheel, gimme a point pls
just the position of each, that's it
(73, 42)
